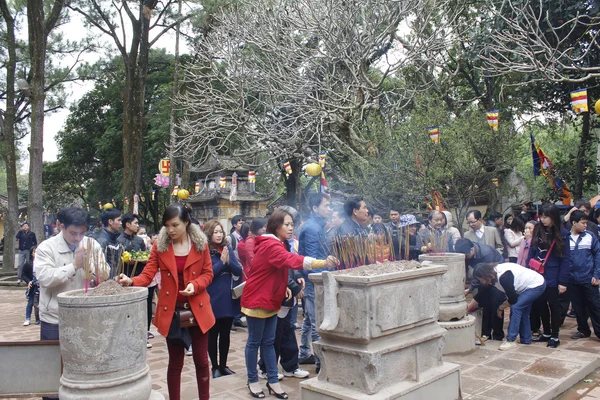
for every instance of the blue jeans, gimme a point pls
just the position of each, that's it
(261, 334)
(519, 315)
(32, 301)
(309, 330)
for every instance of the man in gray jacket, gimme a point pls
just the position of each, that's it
(59, 264)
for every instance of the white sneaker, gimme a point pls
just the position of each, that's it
(263, 375)
(148, 345)
(188, 352)
(506, 345)
(26, 323)
(299, 373)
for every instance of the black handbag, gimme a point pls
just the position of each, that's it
(179, 333)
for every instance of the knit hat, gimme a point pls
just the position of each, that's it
(408, 219)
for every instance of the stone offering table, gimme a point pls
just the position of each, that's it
(379, 335)
(460, 337)
(103, 346)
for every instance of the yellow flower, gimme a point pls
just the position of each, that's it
(126, 257)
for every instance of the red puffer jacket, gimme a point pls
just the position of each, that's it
(266, 284)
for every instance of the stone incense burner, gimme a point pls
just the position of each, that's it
(103, 346)
(380, 338)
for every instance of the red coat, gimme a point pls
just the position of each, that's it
(267, 281)
(198, 270)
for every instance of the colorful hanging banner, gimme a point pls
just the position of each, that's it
(324, 186)
(164, 167)
(197, 187)
(252, 176)
(136, 204)
(496, 182)
(288, 168)
(579, 101)
(492, 119)
(175, 190)
(113, 203)
(434, 134)
(233, 193)
(222, 182)
(100, 205)
(153, 194)
(322, 158)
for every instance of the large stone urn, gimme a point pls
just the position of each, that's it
(460, 337)
(103, 346)
(379, 335)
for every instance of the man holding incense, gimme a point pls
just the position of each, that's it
(67, 261)
(313, 243)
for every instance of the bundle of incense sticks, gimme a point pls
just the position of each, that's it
(362, 249)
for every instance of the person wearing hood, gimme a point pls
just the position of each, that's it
(450, 227)
(265, 290)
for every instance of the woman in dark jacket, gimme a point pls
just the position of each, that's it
(224, 264)
(556, 271)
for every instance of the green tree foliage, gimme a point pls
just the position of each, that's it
(89, 168)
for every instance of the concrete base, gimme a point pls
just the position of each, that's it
(440, 383)
(154, 395)
(460, 335)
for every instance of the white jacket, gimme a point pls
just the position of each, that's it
(513, 241)
(53, 265)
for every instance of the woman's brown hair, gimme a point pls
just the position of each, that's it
(486, 271)
(209, 230)
(275, 221)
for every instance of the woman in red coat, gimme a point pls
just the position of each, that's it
(263, 294)
(181, 255)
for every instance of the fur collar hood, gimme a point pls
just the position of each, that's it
(196, 235)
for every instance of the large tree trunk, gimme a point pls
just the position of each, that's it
(37, 54)
(293, 185)
(172, 138)
(581, 157)
(133, 119)
(7, 131)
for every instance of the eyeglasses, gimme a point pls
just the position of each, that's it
(472, 222)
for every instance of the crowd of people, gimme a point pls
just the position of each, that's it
(535, 266)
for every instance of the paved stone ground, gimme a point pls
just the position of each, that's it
(12, 315)
(522, 373)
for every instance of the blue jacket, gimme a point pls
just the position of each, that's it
(220, 287)
(557, 268)
(585, 258)
(313, 241)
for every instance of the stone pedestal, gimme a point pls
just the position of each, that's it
(460, 335)
(453, 306)
(103, 346)
(379, 336)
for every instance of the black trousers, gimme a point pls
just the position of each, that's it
(586, 302)
(149, 304)
(286, 345)
(220, 333)
(550, 310)
(490, 298)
